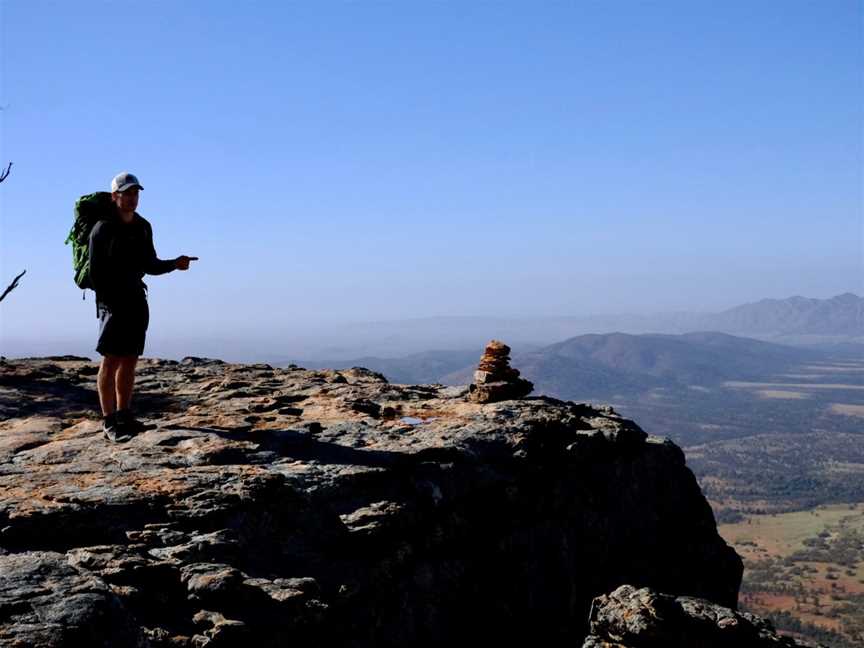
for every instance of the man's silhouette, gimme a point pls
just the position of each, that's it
(121, 253)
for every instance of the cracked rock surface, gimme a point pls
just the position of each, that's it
(283, 506)
(642, 618)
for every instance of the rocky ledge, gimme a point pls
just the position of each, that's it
(283, 506)
(641, 618)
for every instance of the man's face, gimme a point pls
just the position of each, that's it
(126, 201)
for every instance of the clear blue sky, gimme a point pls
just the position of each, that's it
(337, 161)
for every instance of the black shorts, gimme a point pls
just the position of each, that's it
(123, 328)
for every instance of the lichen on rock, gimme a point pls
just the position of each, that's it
(643, 618)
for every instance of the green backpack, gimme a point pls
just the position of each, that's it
(89, 210)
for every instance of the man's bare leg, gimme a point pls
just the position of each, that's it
(106, 384)
(125, 381)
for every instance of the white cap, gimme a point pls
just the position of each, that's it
(122, 181)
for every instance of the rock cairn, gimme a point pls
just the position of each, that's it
(495, 380)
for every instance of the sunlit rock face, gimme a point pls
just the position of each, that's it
(495, 380)
(275, 507)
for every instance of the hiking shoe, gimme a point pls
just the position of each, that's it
(130, 425)
(113, 431)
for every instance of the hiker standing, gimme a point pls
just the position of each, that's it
(121, 252)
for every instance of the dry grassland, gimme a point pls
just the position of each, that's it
(846, 409)
(839, 367)
(745, 385)
(782, 394)
(823, 590)
(784, 533)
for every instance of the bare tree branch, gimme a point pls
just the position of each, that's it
(12, 286)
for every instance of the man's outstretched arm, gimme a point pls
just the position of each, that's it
(157, 266)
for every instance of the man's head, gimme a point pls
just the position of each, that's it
(124, 193)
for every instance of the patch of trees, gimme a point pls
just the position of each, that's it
(786, 621)
(846, 550)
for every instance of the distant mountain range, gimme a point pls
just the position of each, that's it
(610, 363)
(829, 324)
(840, 315)
(678, 384)
(601, 365)
(702, 387)
(837, 317)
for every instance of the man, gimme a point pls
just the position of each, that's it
(121, 252)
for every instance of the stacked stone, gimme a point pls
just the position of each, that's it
(495, 380)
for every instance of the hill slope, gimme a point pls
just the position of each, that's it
(621, 363)
(840, 315)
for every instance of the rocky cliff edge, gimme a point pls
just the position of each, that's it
(283, 506)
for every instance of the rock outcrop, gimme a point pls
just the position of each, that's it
(642, 618)
(495, 380)
(329, 508)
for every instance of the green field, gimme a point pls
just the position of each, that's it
(785, 533)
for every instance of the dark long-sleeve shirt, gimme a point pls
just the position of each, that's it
(120, 255)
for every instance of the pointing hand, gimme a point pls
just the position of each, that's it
(182, 262)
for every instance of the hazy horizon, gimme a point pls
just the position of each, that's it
(344, 340)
